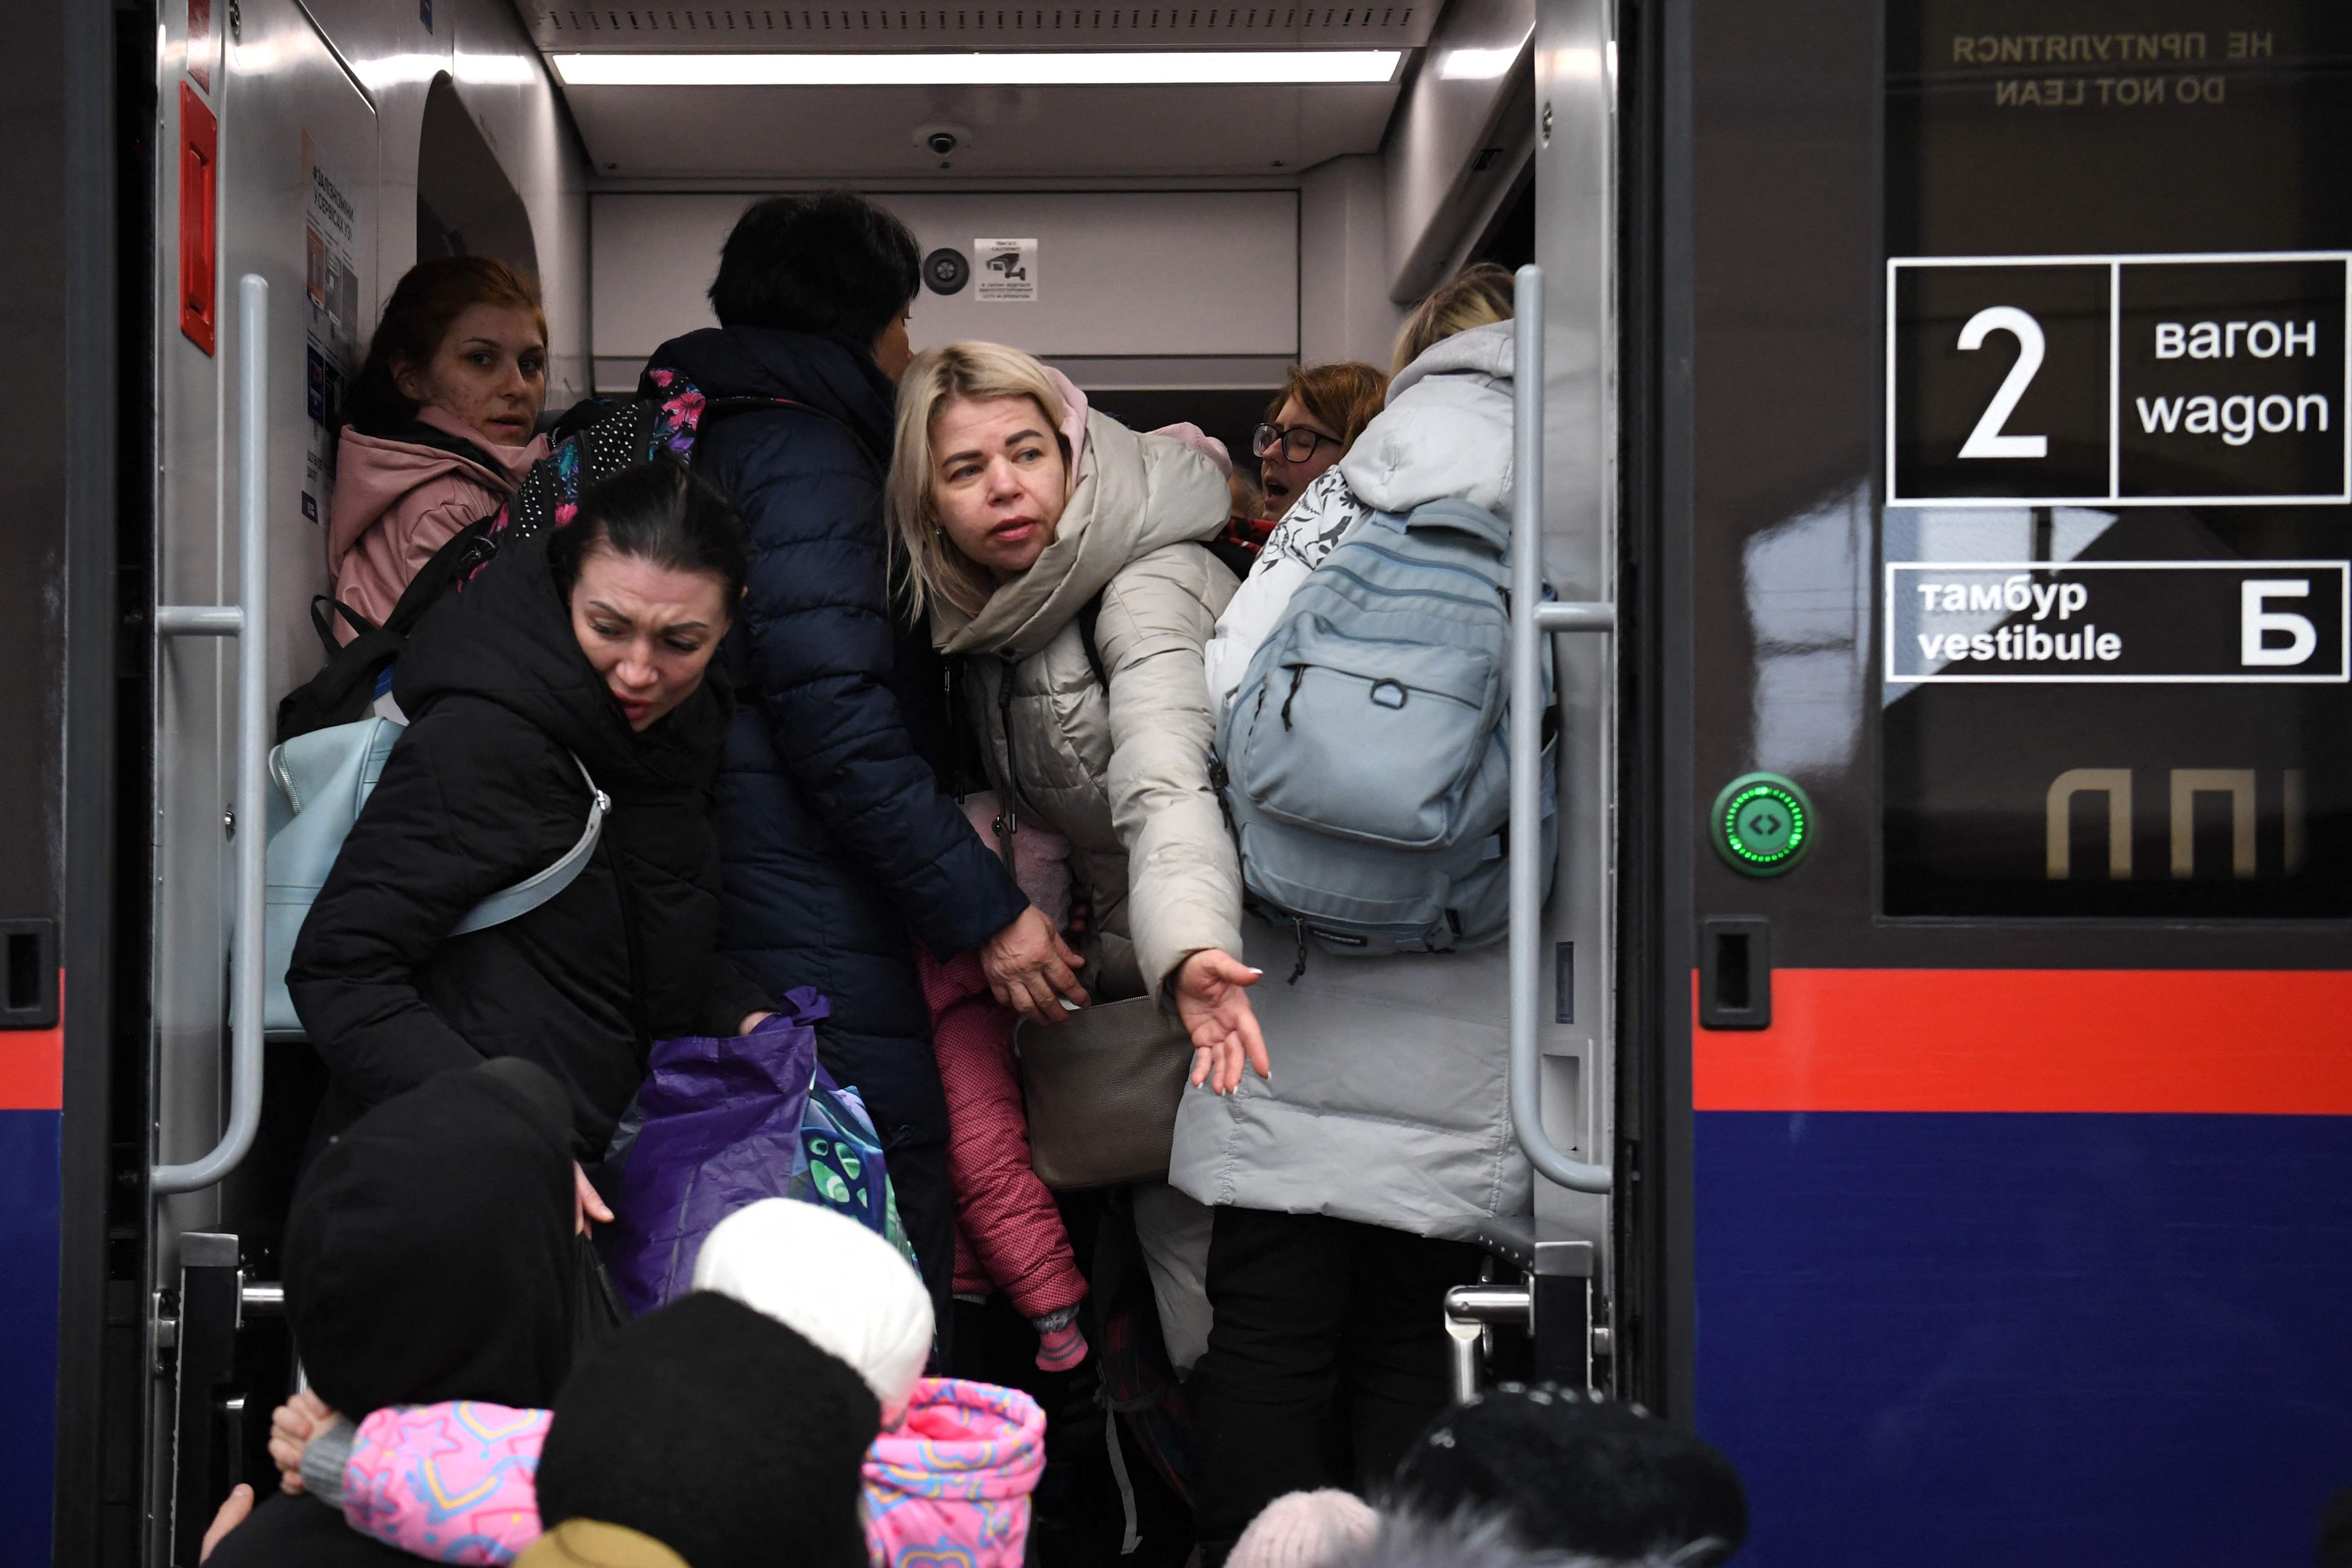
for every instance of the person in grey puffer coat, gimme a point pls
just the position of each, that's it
(1013, 509)
(1341, 1190)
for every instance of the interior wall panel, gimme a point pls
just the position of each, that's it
(868, 133)
(1344, 308)
(1127, 275)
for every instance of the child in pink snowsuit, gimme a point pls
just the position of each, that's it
(947, 1482)
(1009, 1234)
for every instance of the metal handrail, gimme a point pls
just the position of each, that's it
(1469, 1310)
(248, 622)
(1533, 623)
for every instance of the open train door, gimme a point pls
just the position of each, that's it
(1990, 495)
(300, 158)
(271, 199)
(1554, 1275)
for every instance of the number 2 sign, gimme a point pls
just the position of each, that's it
(2118, 381)
(1988, 440)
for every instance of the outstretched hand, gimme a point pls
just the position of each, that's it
(1031, 969)
(1212, 1000)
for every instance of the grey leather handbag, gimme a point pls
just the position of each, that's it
(1102, 1088)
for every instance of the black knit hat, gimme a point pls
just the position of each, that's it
(429, 1253)
(1574, 1474)
(719, 1433)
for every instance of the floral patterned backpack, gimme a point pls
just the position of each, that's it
(598, 437)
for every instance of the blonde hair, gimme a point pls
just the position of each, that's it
(1475, 297)
(922, 560)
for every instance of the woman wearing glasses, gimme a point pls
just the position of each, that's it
(1308, 427)
(1310, 424)
(1427, 427)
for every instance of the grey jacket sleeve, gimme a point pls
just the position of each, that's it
(1185, 881)
(323, 1458)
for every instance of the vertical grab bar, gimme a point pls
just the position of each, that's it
(248, 622)
(1532, 623)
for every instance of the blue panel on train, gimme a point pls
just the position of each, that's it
(28, 1324)
(2027, 1340)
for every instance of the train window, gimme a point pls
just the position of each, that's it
(1228, 413)
(2112, 633)
(465, 204)
(1510, 240)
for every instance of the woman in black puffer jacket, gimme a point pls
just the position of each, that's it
(839, 839)
(583, 648)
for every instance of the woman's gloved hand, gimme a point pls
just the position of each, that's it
(1061, 1349)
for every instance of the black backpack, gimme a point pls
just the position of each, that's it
(344, 688)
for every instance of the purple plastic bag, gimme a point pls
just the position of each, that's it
(722, 1129)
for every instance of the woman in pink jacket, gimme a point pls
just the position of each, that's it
(437, 425)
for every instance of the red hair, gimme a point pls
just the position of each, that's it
(428, 300)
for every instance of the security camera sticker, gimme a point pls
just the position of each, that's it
(1007, 271)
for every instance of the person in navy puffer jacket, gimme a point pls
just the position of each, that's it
(837, 836)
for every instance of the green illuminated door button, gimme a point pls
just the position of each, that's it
(1763, 824)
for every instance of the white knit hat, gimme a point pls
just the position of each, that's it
(1305, 1530)
(831, 1280)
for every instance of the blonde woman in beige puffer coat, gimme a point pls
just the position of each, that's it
(1012, 508)
(1007, 538)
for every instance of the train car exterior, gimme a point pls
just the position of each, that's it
(58, 500)
(2017, 1217)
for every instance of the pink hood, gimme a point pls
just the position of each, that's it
(1074, 430)
(373, 475)
(950, 1483)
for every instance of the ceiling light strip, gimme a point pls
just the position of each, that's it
(1154, 67)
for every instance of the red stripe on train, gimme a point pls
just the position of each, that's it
(33, 1063)
(2244, 1042)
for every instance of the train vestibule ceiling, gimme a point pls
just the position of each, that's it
(700, 129)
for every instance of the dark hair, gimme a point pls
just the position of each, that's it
(656, 513)
(430, 297)
(833, 262)
(1344, 395)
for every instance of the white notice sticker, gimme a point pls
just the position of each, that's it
(1007, 271)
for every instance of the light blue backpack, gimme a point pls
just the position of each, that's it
(1363, 760)
(322, 780)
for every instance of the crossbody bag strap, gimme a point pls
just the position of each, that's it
(528, 895)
